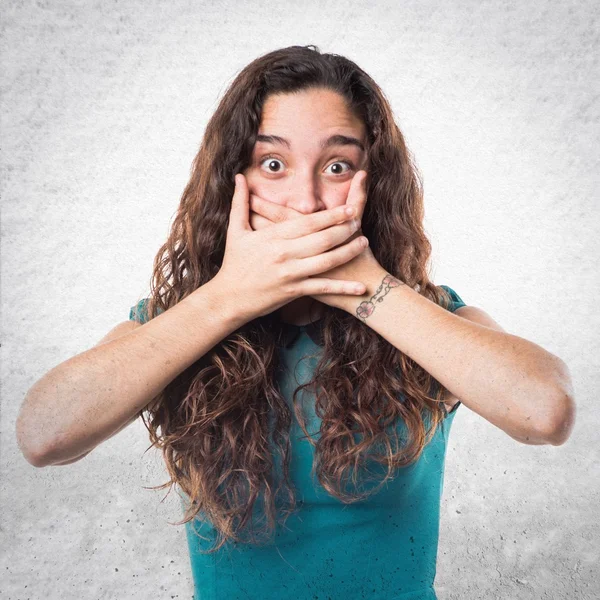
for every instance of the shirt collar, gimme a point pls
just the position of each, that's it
(289, 333)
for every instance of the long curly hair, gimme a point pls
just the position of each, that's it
(223, 421)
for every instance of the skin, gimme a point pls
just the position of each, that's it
(466, 344)
(306, 177)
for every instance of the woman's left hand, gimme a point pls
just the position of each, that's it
(363, 267)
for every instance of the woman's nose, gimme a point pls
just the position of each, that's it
(304, 195)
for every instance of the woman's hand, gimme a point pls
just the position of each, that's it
(267, 269)
(363, 267)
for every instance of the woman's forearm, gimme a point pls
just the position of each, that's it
(88, 398)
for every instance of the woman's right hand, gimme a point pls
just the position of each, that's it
(269, 268)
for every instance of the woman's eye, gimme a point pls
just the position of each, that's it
(275, 165)
(338, 170)
(271, 164)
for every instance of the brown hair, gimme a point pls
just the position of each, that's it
(223, 420)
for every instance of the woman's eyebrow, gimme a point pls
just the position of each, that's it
(334, 140)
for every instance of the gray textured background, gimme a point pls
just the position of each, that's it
(103, 109)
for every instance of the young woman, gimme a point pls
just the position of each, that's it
(304, 419)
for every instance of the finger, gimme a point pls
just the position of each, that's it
(314, 286)
(258, 222)
(321, 263)
(240, 205)
(357, 195)
(295, 228)
(276, 213)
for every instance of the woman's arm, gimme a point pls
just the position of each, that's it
(511, 382)
(88, 398)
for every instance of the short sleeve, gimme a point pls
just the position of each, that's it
(139, 312)
(456, 300)
(455, 303)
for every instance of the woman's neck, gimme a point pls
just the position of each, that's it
(301, 311)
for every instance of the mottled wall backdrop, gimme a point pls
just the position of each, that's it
(103, 108)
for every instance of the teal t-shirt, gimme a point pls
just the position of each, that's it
(382, 548)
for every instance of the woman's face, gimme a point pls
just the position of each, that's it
(298, 160)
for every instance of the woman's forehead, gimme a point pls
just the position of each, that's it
(318, 114)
